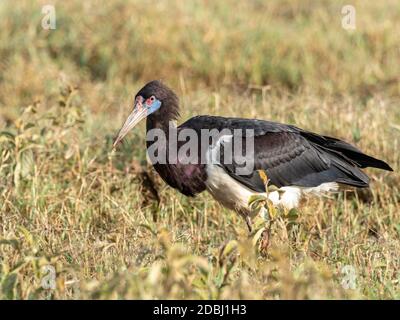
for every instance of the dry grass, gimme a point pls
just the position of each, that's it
(66, 201)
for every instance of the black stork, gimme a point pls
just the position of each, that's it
(293, 161)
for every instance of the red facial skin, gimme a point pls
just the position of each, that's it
(148, 102)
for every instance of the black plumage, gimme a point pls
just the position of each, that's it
(291, 156)
(288, 155)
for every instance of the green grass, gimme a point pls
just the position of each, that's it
(67, 201)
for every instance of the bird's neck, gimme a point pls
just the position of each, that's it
(164, 117)
(158, 136)
(187, 178)
(163, 123)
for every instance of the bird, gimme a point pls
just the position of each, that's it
(288, 163)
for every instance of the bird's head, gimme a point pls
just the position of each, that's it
(154, 99)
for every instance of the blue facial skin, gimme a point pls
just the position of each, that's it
(154, 106)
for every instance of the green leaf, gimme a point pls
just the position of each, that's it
(229, 247)
(257, 236)
(12, 242)
(292, 215)
(257, 201)
(7, 134)
(8, 285)
(356, 134)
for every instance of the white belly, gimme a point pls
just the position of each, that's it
(227, 190)
(236, 196)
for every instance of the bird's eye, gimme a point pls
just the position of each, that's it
(150, 100)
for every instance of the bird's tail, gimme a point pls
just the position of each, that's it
(361, 159)
(347, 150)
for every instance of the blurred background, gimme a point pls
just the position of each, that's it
(110, 49)
(67, 201)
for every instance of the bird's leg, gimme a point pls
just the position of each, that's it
(245, 215)
(249, 224)
(149, 187)
(265, 235)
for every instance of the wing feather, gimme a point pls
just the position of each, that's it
(291, 156)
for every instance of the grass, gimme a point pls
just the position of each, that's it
(68, 202)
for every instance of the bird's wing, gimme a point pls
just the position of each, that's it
(288, 156)
(289, 159)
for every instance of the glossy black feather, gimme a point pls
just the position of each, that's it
(293, 157)
(351, 152)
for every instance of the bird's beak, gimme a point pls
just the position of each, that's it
(139, 112)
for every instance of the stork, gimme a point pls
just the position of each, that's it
(288, 162)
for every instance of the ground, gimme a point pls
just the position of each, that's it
(76, 213)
